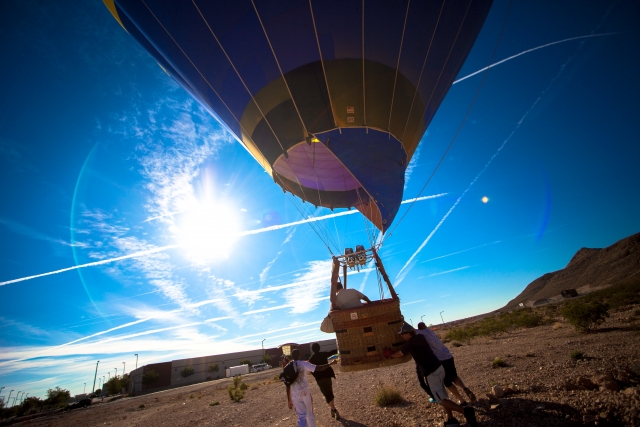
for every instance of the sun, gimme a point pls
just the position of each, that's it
(208, 231)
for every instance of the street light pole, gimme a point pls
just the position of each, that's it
(136, 360)
(116, 372)
(85, 388)
(421, 318)
(95, 375)
(8, 398)
(25, 397)
(263, 349)
(441, 317)
(411, 321)
(124, 368)
(109, 373)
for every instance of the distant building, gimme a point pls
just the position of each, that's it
(178, 373)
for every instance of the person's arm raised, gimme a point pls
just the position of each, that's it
(335, 273)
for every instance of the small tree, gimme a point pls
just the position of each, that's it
(266, 358)
(57, 397)
(585, 316)
(246, 362)
(187, 372)
(113, 385)
(150, 377)
(125, 381)
(98, 392)
(236, 391)
(213, 368)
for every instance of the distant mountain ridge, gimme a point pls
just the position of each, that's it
(589, 267)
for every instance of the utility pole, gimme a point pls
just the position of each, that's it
(441, 317)
(136, 360)
(94, 376)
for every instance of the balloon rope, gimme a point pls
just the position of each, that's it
(464, 119)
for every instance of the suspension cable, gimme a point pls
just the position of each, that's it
(464, 119)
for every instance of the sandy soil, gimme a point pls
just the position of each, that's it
(549, 388)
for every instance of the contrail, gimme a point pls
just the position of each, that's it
(530, 50)
(165, 248)
(329, 216)
(93, 264)
(522, 119)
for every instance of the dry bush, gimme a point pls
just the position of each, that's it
(456, 344)
(387, 396)
(576, 355)
(498, 363)
(557, 326)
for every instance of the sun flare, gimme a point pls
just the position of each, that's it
(208, 231)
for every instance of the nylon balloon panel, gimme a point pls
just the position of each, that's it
(367, 82)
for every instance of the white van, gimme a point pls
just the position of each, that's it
(260, 367)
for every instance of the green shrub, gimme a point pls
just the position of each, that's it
(57, 397)
(492, 327)
(465, 334)
(576, 355)
(213, 367)
(216, 403)
(246, 362)
(187, 372)
(617, 296)
(585, 316)
(150, 377)
(498, 363)
(387, 396)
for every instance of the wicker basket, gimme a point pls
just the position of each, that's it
(362, 334)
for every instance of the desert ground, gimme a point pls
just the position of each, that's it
(543, 386)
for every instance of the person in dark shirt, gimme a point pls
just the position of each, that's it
(323, 378)
(417, 346)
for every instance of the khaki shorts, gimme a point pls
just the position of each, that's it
(436, 384)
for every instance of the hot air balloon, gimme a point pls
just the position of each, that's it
(331, 97)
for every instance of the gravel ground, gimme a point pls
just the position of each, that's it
(544, 387)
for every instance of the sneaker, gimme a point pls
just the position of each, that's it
(335, 414)
(472, 397)
(432, 400)
(470, 416)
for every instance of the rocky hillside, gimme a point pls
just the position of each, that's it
(593, 268)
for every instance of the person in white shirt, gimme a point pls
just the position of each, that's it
(343, 298)
(298, 393)
(451, 378)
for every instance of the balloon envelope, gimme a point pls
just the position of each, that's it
(331, 97)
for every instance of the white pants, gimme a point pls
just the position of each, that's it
(304, 410)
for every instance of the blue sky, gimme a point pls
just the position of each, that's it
(102, 155)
